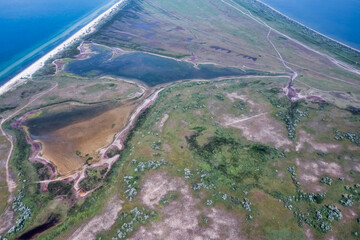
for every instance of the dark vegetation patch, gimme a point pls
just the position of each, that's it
(21, 163)
(131, 220)
(7, 108)
(237, 54)
(240, 104)
(112, 152)
(42, 171)
(292, 117)
(230, 158)
(352, 137)
(352, 195)
(321, 217)
(59, 188)
(289, 112)
(354, 110)
(92, 180)
(29, 199)
(169, 197)
(29, 92)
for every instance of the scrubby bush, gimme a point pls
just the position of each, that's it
(59, 188)
(131, 220)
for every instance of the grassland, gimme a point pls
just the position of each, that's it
(224, 171)
(225, 158)
(300, 32)
(4, 150)
(266, 183)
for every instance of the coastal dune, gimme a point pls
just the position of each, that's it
(27, 73)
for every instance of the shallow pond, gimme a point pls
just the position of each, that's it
(148, 68)
(41, 126)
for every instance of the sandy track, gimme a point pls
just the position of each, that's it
(338, 63)
(11, 182)
(245, 119)
(6, 219)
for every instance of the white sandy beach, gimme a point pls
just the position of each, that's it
(26, 74)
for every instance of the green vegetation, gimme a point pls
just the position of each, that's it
(221, 166)
(169, 197)
(289, 112)
(229, 159)
(42, 171)
(226, 139)
(352, 137)
(28, 200)
(130, 221)
(93, 204)
(92, 180)
(49, 68)
(6, 108)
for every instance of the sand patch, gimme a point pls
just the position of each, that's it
(161, 123)
(310, 173)
(6, 220)
(261, 128)
(309, 235)
(87, 137)
(256, 124)
(353, 148)
(319, 168)
(236, 96)
(307, 141)
(180, 219)
(99, 223)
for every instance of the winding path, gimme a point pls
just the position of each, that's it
(10, 182)
(340, 64)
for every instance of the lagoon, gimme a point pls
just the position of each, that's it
(148, 68)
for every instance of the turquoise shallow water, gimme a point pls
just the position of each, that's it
(338, 19)
(27, 28)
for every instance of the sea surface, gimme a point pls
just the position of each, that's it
(338, 19)
(31, 28)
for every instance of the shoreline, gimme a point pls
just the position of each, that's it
(303, 25)
(29, 56)
(26, 74)
(89, 28)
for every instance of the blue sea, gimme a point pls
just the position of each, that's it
(30, 28)
(338, 19)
